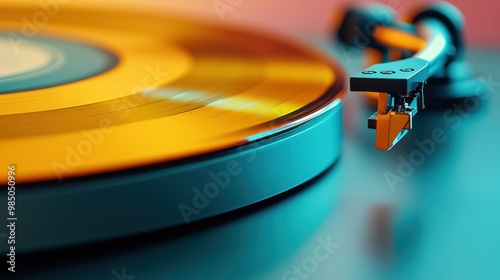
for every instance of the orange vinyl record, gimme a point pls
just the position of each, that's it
(167, 89)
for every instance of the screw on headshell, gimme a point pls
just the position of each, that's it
(387, 72)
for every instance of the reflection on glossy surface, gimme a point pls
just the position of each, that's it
(242, 248)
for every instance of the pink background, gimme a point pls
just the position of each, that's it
(307, 17)
(314, 17)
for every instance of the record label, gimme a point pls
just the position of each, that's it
(47, 62)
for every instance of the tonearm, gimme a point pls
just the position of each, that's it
(430, 51)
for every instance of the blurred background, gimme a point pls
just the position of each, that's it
(308, 17)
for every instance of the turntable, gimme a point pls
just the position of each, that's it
(158, 146)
